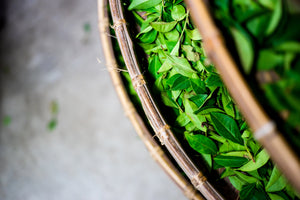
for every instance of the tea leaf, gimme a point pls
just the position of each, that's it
(182, 66)
(178, 12)
(163, 26)
(226, 127)
(275, 17)
(143, 4)
(244, 48)
(276, 182)
(201, 143)
(182, 120)
(230, 161)
(260, 159)
(193, 34)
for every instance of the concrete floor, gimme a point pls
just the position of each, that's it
(93, 153)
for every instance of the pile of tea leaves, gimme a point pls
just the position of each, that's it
(266, 36)
(203, 110)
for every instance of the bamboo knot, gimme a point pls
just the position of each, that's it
(267, 130)
(119, 23)
(198, 180)
(163, 134)
(138, 81)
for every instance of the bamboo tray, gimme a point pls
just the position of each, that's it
(264, 129)
(153, 147)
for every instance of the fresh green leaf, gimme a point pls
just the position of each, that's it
(201, 143)
(193, 34)
(275, 19)
(182, 66)
(199, 99)
(230, 161)
(275, 197)
(143, 4)
(268, 59)
(226, 127)
(244, 47)
(178, 12)
(276, 182)
(163, 26)
(237, 182)
(181, 83)
(182, 120)
(260, 160)
(172, 35)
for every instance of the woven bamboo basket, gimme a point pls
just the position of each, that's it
(263, 127)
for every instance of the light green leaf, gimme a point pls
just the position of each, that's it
(178, 12)
(226, 127)
(163, 26)
(275, 19)
(182, 66)
(172, 35)
(237, 182)
(277, 182)
(143, 4)
(190, 54)
(166, 66)
(290, 46)
(201, 143)
(197, 120)
(193, 34)
(244, 48)
(260, 160)
(275, 197)
(182, 120)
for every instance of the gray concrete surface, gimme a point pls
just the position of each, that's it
(93, 153)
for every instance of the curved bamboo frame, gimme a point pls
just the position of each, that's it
(156, 120)
(155, 150)
(264, 129)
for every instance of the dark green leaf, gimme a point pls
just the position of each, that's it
(230, 161)
(180, 83)
(253, 192)
(226, 127)
(201, 143)
(199, 99)
(268, 59)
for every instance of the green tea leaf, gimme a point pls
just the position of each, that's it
(226, 127)
(276, 182)
(182, 66)
(172, 35)
(208, 109)
(148, 37)
(290, 46)
(268, 59)
(199, 99)
(275, 197)
(244, 48)
(230, 161)
(182, 120)
(166, 66)
(190, 108)
(275, 19)
(163, 26)
(253, 191)
(178, 12)
(260, 160)
(143, 4)
(237, 182)
(193, 34)
(181, 83)
(154, 66)
(201, 143)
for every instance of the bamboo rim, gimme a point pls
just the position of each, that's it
(263, 127)
(155, 118)
(155, 150)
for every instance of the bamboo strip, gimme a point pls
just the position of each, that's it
(154, 149)
(264, 129)
(156, 120)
